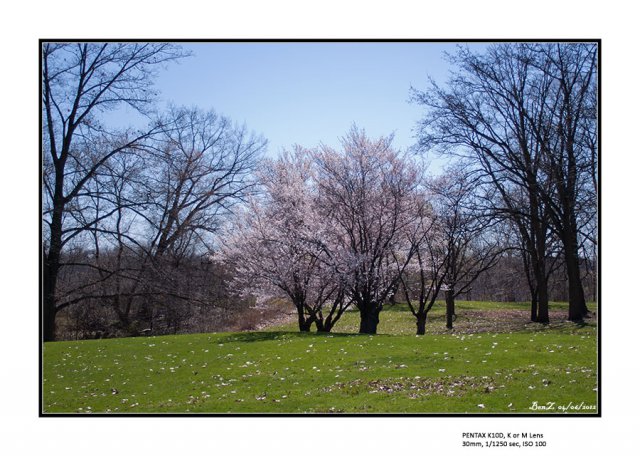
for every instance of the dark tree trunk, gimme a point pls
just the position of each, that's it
(323, 326)
(451, 307)
(49, 302)
(533, 291)
(567, 189)
(51, 268)
(543, 298)
(577, 305)
(369, 319)
(51, 259)
(594, 280)
(304, 324)
(421, 323)
(534, 306)
(539, 266)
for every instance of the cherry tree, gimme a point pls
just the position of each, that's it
(365, 197)
(276, 244)
(332, 229)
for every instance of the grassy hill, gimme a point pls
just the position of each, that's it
(493, 362)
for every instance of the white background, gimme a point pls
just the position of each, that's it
(23, 23)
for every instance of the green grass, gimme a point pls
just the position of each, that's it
(472, 317)
(283, 371)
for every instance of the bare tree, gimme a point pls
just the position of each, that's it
(473, 246)
(200, 166)
(525, 114)
(153, 216)
(196, 170)
(568, 135)
(482, 117)
(424, 275)
(80, 81)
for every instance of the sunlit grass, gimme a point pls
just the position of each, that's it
(472, 316)
(283, 371)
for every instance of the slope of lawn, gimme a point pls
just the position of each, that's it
(282, 371)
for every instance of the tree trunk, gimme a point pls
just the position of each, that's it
(534, 306)
(539, 265)
(51, 267)
(421, 323)
(303, 324)
(369, 319)
(577, 305)
(451, 307)
(594, 284)
(543, 299)
(51, 259)
(323, 326)
(49, 302)
(527, 261)
(567, 190)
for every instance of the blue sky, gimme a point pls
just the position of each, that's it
(308, 92)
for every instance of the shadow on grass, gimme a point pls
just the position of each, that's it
(583, 323)
(257, 336)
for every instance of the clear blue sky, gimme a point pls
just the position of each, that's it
(308, 93)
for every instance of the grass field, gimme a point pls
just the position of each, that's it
(493, 362)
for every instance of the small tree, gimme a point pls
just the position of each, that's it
(472, 245)
(425, 273)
